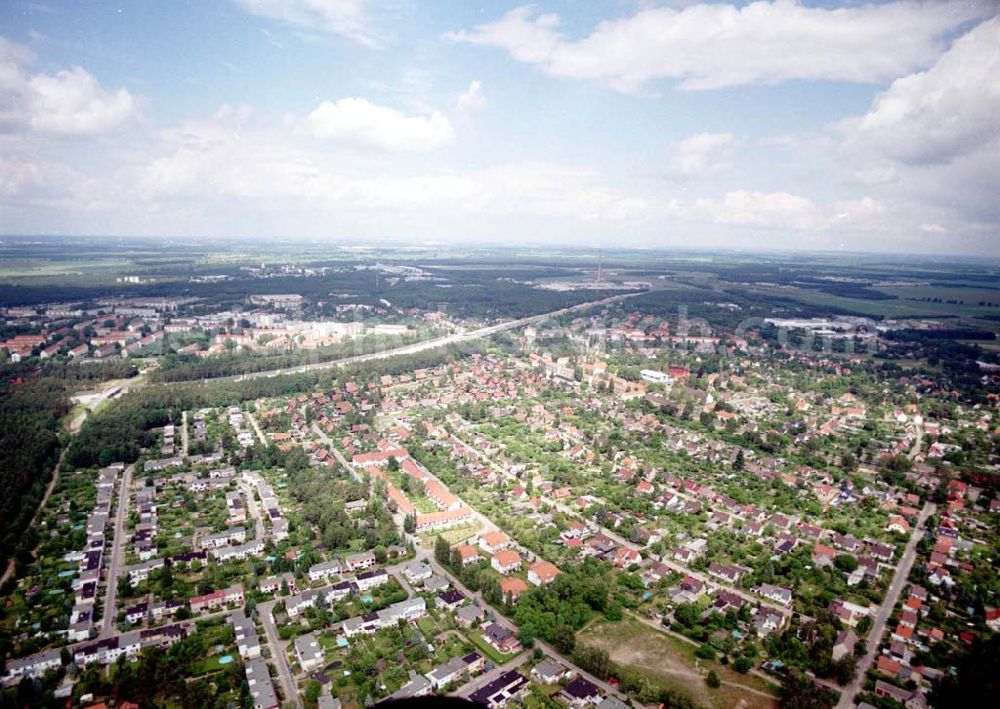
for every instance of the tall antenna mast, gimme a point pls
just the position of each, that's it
(600, 265)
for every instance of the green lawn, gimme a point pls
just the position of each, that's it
(428, 627)
(488, 650)
(454, 535)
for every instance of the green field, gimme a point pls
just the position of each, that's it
(895, 308)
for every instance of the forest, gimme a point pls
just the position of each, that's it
(464, 292)
(179, 368)
(33, 400)
(29, 438)
(121, 429)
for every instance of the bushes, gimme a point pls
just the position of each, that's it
(594, 660)
(570, 601)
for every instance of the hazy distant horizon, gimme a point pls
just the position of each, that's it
(591, 248)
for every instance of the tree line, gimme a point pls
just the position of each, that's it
(120, 430)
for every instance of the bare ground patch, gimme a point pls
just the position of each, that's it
(661, 659)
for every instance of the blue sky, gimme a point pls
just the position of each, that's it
(772, 124)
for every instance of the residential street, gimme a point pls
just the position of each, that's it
(114, 567)
(328, 442)
(501, 620)
(256, 428)
(278, 647)
(252, 505)
(899, 580)
(454, 339)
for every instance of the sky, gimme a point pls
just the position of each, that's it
(772, 124)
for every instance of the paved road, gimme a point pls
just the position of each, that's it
(285, 679)
(328, 442)
(280, 648)
(488, 524)
(92, 399)
(256, 428)
(452, 339)
(503, 621)
(184, 433)
(885, 610)
(117, 554)
(258, 520)
(401, 580)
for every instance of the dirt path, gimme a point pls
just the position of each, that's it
(9, 571)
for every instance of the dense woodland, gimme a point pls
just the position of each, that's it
(179, 368)
(29, 439)
(121, 429)
(33, 399)
(469, 292)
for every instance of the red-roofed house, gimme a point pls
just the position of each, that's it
(542, 573)
(512, 587)
(506, 561)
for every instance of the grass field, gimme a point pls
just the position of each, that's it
(897, 308)
(452, 536)
(671, 663)
(970, 295)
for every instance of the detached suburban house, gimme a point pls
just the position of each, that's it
(542, 573)
(506, 561)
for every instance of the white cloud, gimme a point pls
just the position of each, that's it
(225, 156)
(472, 99)
(229, 156)
(359, 123)
(930, 142)
(778, 210)
(346, 18)
(17, 175)
(875, 175)
(71, 102)
(859, 211)
(703, 155)
(934, 116)
(573, 192)
(760, 209)
(235, 167)
(711, 46)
